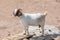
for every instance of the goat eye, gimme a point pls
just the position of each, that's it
(20, 14)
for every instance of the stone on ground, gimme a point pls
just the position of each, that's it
(50, 32)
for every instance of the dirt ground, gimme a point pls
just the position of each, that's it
(9, 25)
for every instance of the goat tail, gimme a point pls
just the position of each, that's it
(45, 13)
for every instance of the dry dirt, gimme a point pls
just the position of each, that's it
(9, 25)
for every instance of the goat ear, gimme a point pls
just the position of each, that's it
(17, 12)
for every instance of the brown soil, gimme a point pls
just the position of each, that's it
(9, 25)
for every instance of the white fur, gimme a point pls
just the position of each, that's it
(32, 19)
(35, 19)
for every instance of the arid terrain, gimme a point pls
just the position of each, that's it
(9, 25)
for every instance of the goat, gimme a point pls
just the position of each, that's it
(36, 19)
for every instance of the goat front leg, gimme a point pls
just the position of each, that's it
(25, 27)
(26, 30)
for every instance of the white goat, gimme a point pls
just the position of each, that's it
(36, 19)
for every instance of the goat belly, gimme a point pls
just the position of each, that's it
(33, 22)
(29, 21)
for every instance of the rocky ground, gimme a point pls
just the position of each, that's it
(9, 25)
(50, 33)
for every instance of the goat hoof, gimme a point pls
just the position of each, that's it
(29, 36)
(24, 33)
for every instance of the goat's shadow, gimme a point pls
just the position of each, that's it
(46, 37)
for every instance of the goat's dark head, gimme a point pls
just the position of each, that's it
(17, 12)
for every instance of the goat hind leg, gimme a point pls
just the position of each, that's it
(39, 28)
(42, 27)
